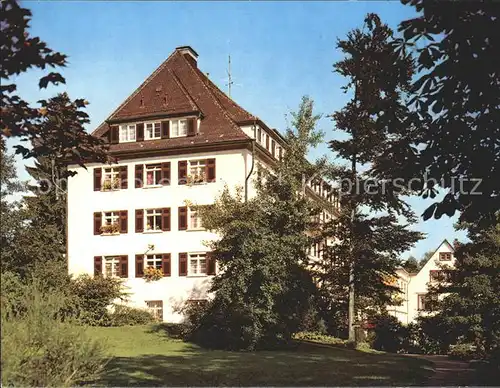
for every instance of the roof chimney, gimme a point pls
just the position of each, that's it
(189, 54)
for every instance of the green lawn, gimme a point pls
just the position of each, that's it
(141, 357)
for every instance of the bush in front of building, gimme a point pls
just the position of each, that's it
(41, 345)
(388, 334)
(130, 316)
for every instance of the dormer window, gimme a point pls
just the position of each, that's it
(127, 133)
(178, 128)
(152, 131)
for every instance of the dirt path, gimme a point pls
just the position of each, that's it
(448, 372)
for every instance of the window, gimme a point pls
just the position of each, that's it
(155, 307)
(421, 302)
(197, 264)
(426, 302)
(154, 261)
(197, 170)
(153, 174)
(178, 128)
(110, 222)
(111, 267)
(440, 276)
(259, 135)
(153, 219)
(153, 131)
(444, 256)
(127, 133)
(111, 179)
(194, 219)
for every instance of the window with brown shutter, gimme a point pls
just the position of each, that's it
(97, 178)
(113, 134)
(140, 131)
(182, 172)
(124, 266)
(210, 170)
(165, 264)
(183, 268)
(267, 142)
(139, 221)
(192, 127)
(139, 175)
(182, 225)
(165, 174)
(97, 222)
(165, 129)
(123, 177)
(97, 265)
(165, 222)
(123, 221)
(139, 266)
(273, 150)
(211, 264)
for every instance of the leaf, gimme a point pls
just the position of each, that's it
(429, 212)
(54, 78)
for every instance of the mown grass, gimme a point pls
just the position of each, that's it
(143, 357)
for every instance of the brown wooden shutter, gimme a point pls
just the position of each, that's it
(139, 134)
(183, 265)
(139, 266)
(139, 175)
(123, 221)
(124, 177)
(210, 264)
(113, 134)
(165, 129)
(124, 266)
(192, 127)
(97, 265)
(165, 174)
(280, 153)
(267, 142)
(182, 218)
(165, 221)
(210, 170)
(97, 178)
(139, 221)
(97, 222)
(273, 148)
(165, 264)
(182, 172)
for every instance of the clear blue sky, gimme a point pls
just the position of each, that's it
(280, 51)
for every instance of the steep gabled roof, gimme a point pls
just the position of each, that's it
(445, 241)
(178, 87)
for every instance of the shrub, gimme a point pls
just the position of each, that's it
(462, 352)
(41, 347)
(92, 297)
(320, 338)
(389, 334)
(130, 316)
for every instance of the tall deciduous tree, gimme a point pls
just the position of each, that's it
(455, 144)
(19, 53)
(263, 289)
(369, 245)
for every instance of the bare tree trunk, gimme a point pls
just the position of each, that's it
(351, 311)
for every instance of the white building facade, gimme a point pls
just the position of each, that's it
(414, 286)
(178, 140)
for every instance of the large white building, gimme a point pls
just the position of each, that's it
(178, 139)
(414, 286)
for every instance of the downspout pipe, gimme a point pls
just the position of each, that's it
(253, 162)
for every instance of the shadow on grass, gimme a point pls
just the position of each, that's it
(307, 365)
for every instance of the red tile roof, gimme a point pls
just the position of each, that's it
(178, 87)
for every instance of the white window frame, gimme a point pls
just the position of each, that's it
(155, 125)
(114, 263)
(110, 173)
(157, 261)
(127, 133)
(175, 126)
(114, 218)
(155, 307)
(156, 169)
(194, 220)
(198, 257)
(153, 213)
(200, 166)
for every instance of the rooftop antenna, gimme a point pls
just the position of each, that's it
(229, 78)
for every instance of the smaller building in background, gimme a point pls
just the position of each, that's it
(414, 286)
